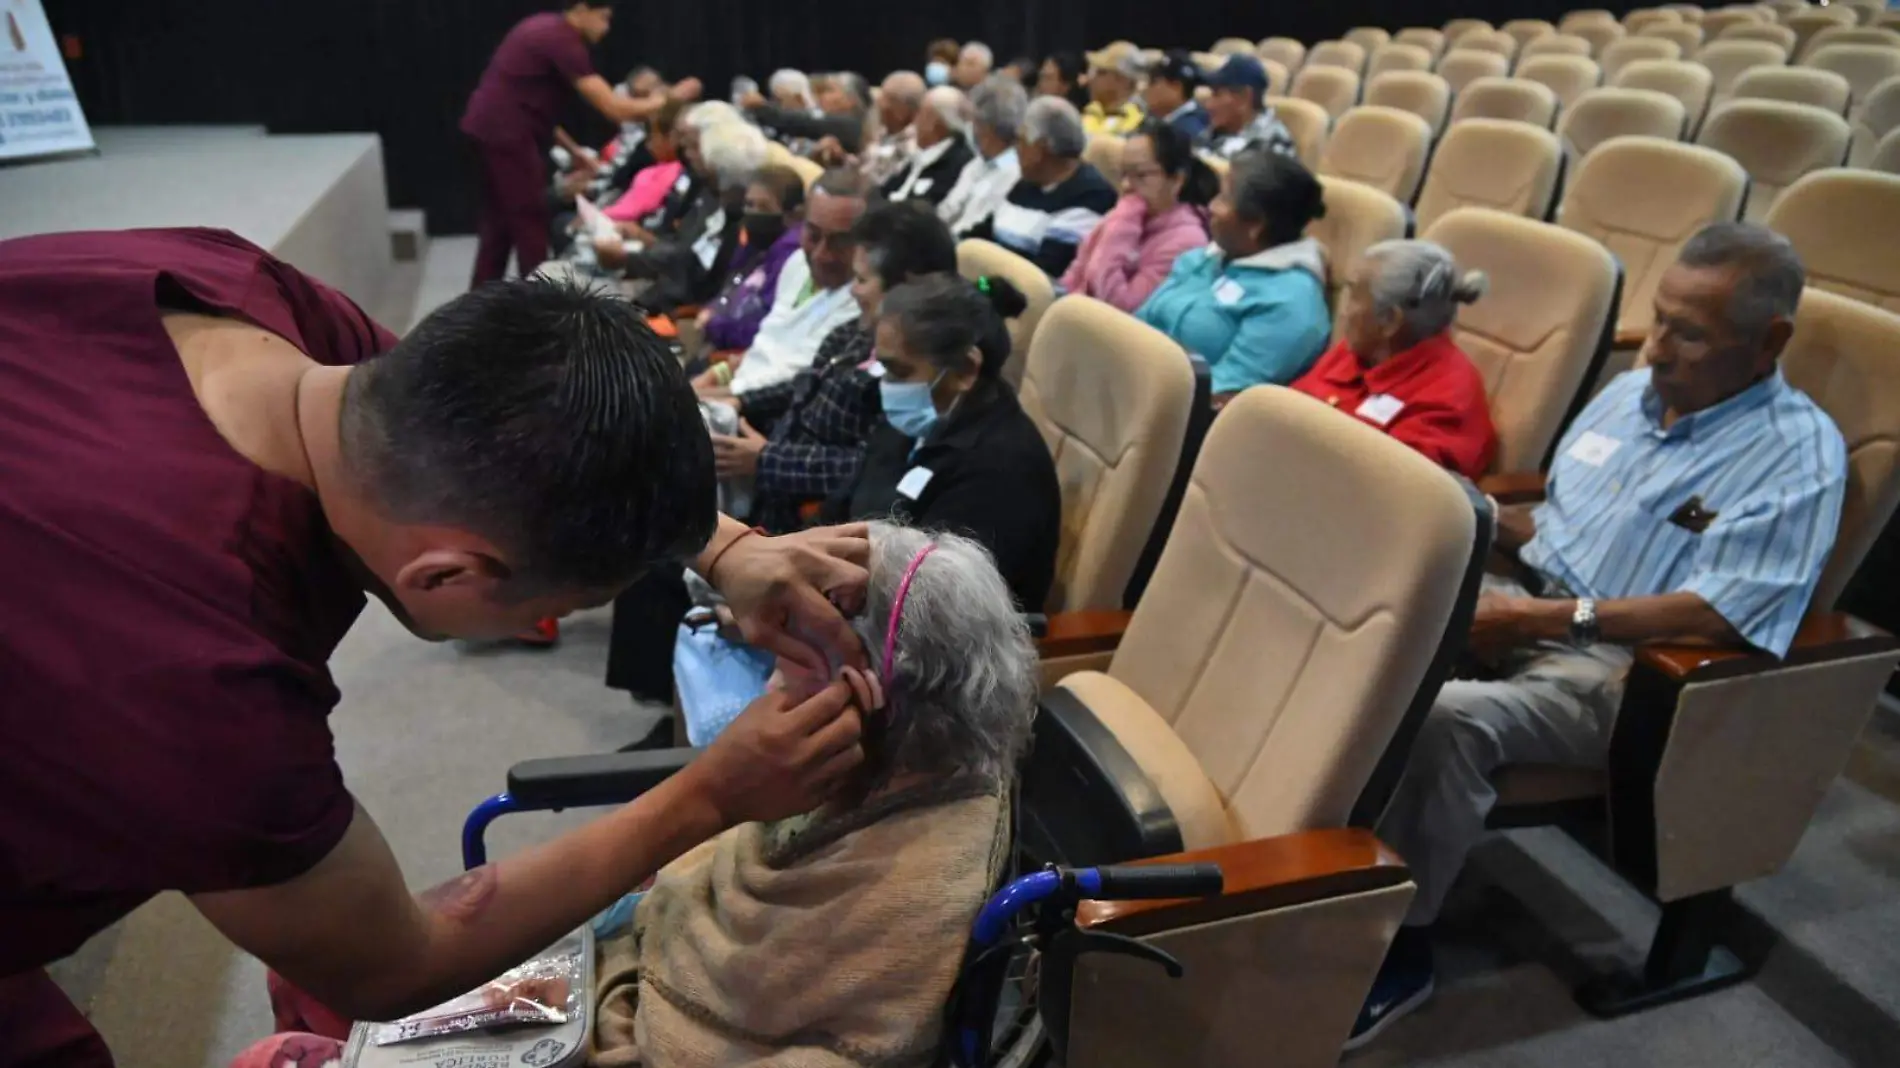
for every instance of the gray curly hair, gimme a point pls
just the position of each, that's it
(1422, 281)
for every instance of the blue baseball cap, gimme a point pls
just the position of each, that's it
(1240, 72)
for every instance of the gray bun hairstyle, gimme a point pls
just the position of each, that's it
(1422, 280)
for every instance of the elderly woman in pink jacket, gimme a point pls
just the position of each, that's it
(1162, 213)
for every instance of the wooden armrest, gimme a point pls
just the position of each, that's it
(1823, 636)
(1628, 337)
(685, 312)
(1267, 873)
(1082, 633)
(1517, 487)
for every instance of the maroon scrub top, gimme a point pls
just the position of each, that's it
(529, 78)
(169, 607)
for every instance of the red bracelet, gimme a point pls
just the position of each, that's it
(721, 554)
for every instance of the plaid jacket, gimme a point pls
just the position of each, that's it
(819, 423)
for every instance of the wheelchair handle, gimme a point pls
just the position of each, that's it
(1127, 882)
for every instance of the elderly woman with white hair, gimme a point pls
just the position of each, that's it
(1061, 197)
(834, 938)
(942, 134)
(1395, 365)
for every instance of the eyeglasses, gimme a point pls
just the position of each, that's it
(1142, 174)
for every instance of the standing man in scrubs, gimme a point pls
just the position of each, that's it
(511, 118)
(202, 473)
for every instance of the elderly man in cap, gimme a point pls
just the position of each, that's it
(1170, 93)
(1112, 74)
(1239, 118)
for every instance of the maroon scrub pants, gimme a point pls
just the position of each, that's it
(514, 215)
(40, 1028)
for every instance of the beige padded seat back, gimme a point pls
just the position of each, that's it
(1425, 37)
(1535, 332)
(1812, 21)
(1420, 92)
(1277, 79)
(1357, 217)
(1516, 99)
(807, 171)
(1776, 143)
(1715, 22)
(1568, 76)
(1843, 223)
(977, 258)
(1601, 114)
(1283, 674)
(1105, 153)
(1762, 31)
(1528, 30)
(1370, 38)
(1864, 66)
(1111, 397)
(1643, 18)
(1886, 154)
(1462, 66)
(1586, 16)
(1491, 163)
(1643, 198)
(1488, 41)
(1689, 83)
(1283, 50)
(1232, 46)
(1797, 85)
(1600, 35)
(1727, 60)
(1563, 44)
(1686, 35)
(1333, 88)
(1398, 56)
(1694, 13)
(1457, 28)
(1879, 115)
(1867, 12)
(1384, 148)
(1337, 54)
(1307, 122)
(1833, 35)
(1622, 53)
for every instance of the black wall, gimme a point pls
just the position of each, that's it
(403, 68)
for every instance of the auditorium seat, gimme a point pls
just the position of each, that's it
(1285, 51)
(1693, 12)
(1878, 116)
(1516, 99)
(1689, 83)
(1854, 35)
(1866, 12)
(807, 170)
(1813, 21)
(1776, 143)
(1600, 34)
(1491, 163)
(1370, 38)
(1728, 60)
(1462, 66)
(1601, 114)
(1590, 16)
(1336, 54)
(1457, 28)
(1384, 148)
(1542, 328)
(1567, 76)
(1720, 757)
(1715, 22)
(1104, 152)
(1232, 46)
(1797, 85)
(1259, 692)
(1629, 50)
(1687, 36)
(1643, 18)
(977, 258)
(1398, 56)
(1425, 37)
(1886, 156)
(1488, 41)
(1307, 122)
(1562, 44)
(1332, 88)
(1420, 92)
(1784, 8)
(1842, 223)
(1864, 66)
(1527, 30)
(1643, 198)
(1357, 217)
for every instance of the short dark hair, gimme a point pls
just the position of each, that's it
(1278, 191)
(904, 240)
(942, 315)
(1174, 154)
(1770, 272)
(785, 184)
(546, 418)
(845, 182)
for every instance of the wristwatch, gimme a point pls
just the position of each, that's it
(1583, 624)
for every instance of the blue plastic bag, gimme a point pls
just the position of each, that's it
(716, 680)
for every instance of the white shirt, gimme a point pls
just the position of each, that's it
(984, 184)
(789, 337)
(920, 160)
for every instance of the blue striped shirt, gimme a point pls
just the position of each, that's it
(1768, 463)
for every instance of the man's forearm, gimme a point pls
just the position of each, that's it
(1669, 617)
(1516, 527)
(728, 531)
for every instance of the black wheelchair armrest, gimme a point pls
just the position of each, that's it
(600, 779)
(1038, 623)
(1085, 800)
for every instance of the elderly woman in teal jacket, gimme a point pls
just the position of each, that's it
(1253, 303)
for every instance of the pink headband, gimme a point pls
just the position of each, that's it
(897, 614)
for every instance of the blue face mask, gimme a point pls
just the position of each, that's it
(936, 72)
(908, 407)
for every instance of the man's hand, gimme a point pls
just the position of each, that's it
(753, 99)
(791, 594)
(780, 759)
(738, 457)
(609, 252)
(686, 90)
(829, 151)
(1498, 626)
(575, 182)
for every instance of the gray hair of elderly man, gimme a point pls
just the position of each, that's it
(733, 151)
(979, 51)
(707, 114)
(1769, 273)
(1053, 123)
(905, 86)
(999, 103)
(951, 106)
(963, 684)
(1422, 281)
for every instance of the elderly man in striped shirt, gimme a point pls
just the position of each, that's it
(1696, 499)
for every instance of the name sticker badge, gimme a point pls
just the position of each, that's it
(1593, 448)
(913, 483)
(1228, 292)
(1380, 408)
(921, 187)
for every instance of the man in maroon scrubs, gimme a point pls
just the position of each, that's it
(201, 473)
(511, 118)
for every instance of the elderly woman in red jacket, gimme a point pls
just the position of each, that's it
(1394, 364)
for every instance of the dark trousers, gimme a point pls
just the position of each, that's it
(640, 648)
(514, 214)
(40, 1028)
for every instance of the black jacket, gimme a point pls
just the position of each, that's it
(848, 128)
(988, 475)
(937, 180)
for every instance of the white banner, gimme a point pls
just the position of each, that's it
(39, 114)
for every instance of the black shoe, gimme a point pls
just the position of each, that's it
(1404, 983)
